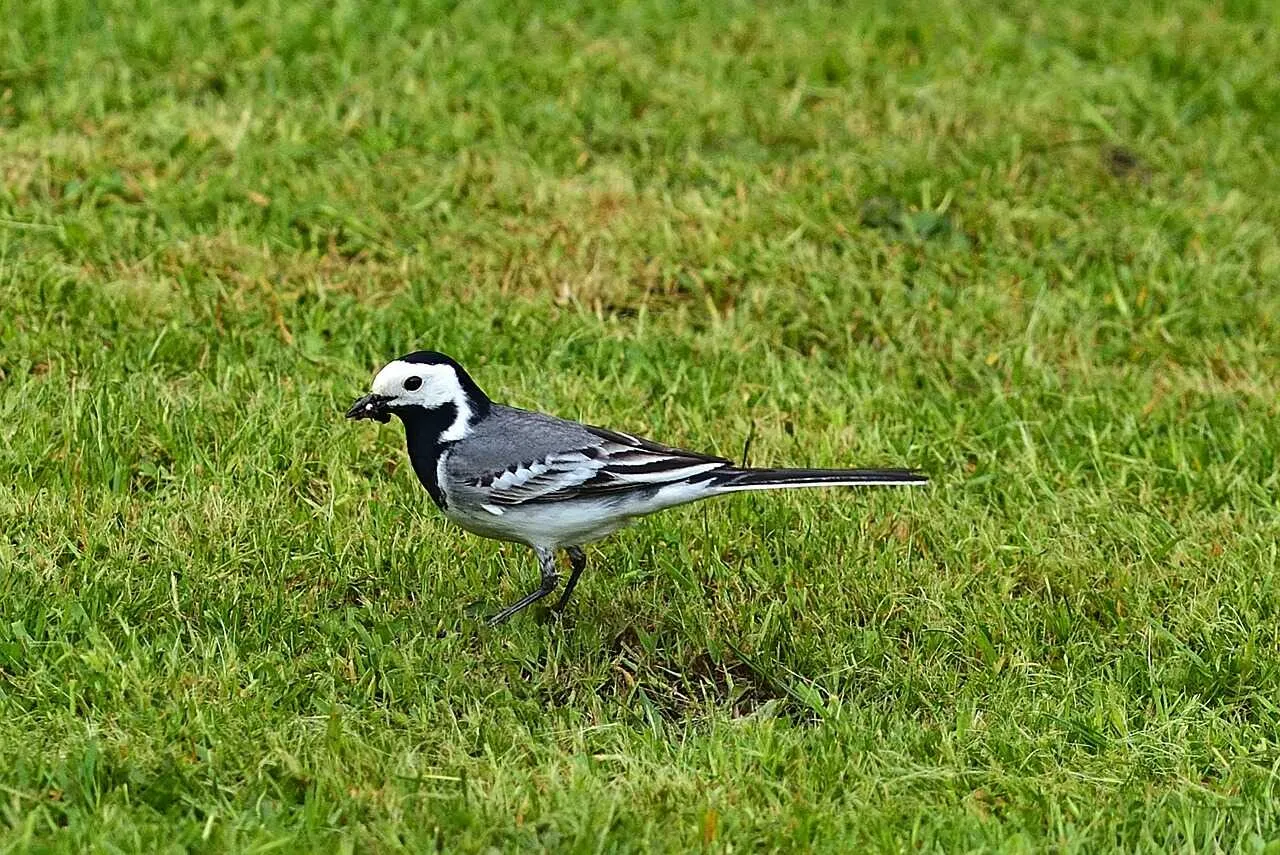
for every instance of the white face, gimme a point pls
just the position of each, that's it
(406, 384)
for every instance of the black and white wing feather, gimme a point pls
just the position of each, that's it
(610, 464)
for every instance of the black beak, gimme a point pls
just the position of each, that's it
(371, 407)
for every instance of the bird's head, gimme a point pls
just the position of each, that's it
(426, 389)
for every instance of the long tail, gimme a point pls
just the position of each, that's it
(732, 480)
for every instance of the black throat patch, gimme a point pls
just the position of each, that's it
(422, 429)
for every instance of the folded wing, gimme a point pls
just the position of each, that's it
(609, 464)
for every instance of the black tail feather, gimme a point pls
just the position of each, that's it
(764, 479)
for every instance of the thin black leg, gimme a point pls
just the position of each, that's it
(577, 563)
(546, 564)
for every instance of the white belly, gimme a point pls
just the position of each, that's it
(555, 525)
(551, 526)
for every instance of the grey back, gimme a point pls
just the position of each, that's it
(512, 436)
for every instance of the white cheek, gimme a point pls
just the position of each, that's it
(426, 396)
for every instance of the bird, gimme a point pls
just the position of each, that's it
(549, 483)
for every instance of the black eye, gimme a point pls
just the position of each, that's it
(411, 383)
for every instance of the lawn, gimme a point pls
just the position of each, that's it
(1030, 248)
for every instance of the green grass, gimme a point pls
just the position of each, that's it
(1031, 248)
